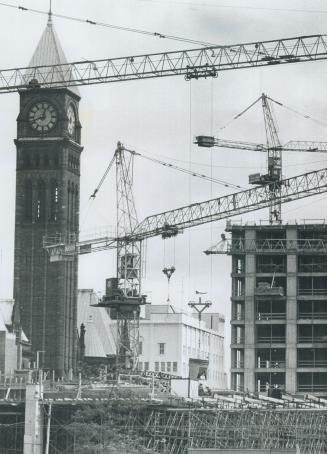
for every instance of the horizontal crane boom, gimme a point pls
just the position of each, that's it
(292, 145)
(192, 63)
(171, 222)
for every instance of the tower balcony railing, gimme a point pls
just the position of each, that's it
(312, 363)
(312, 339)
(268, 364)
(262, 316)
(312, 315)
(271, 340)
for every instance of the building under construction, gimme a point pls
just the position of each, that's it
(279, 307)
(166, 424)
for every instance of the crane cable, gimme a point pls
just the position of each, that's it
(115, 27)
(96, 190)
(291, 109)
(187, 171)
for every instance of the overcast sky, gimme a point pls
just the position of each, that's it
(160, 117)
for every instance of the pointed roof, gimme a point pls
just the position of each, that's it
(49, 52)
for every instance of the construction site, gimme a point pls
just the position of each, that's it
(141, 366)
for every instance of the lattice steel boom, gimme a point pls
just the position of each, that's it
(309, 146)
(171, 222)
(193, 63)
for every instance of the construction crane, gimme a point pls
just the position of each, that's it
(123, 293)
(274, 150)
(192, 63)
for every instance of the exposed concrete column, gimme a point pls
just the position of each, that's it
(33, 435)
(291, 315)
(249, 315)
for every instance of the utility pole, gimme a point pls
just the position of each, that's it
(200, 306)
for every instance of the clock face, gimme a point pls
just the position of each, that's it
(71, 120)
(42, 116)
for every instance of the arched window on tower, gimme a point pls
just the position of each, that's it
(76, 206)
(55, 159)
(46, 160)
(28, 200)
(68, 202)
(40, 201)
(37, 160)
(54, 203)
(72, 207)
(26, 159)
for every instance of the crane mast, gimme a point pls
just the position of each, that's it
(274, 162)
(128, 252)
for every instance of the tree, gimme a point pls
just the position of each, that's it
(109, 427)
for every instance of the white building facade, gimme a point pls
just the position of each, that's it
(169, 340)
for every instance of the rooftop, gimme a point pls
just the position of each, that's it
(49, 52)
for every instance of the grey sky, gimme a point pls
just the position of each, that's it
(161, 117)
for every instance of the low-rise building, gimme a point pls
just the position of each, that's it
(170, 340)
(15, 353)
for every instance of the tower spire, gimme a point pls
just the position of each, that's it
(50, 14)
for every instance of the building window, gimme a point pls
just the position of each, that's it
(169, 366)
(140, 348)
(174, 366)
(40, 202)
(163, 368)
(146, 365)
(161, 349)
(54, 201)
(156, 366)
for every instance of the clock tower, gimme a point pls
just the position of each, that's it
(47, 203)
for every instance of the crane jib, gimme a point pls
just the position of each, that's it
(192, 63)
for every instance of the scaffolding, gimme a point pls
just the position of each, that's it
(173, 431)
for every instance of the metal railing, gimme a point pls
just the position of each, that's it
(312, 291)
(237, 364)
(268, 364)
(312, 388)
(312, 363)
(271, 268)
(280, 245)
(262, 316)
(238, 316)
(312, 315)
(238, 340)
(312, 268)
(271, 339)
(311, 339)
